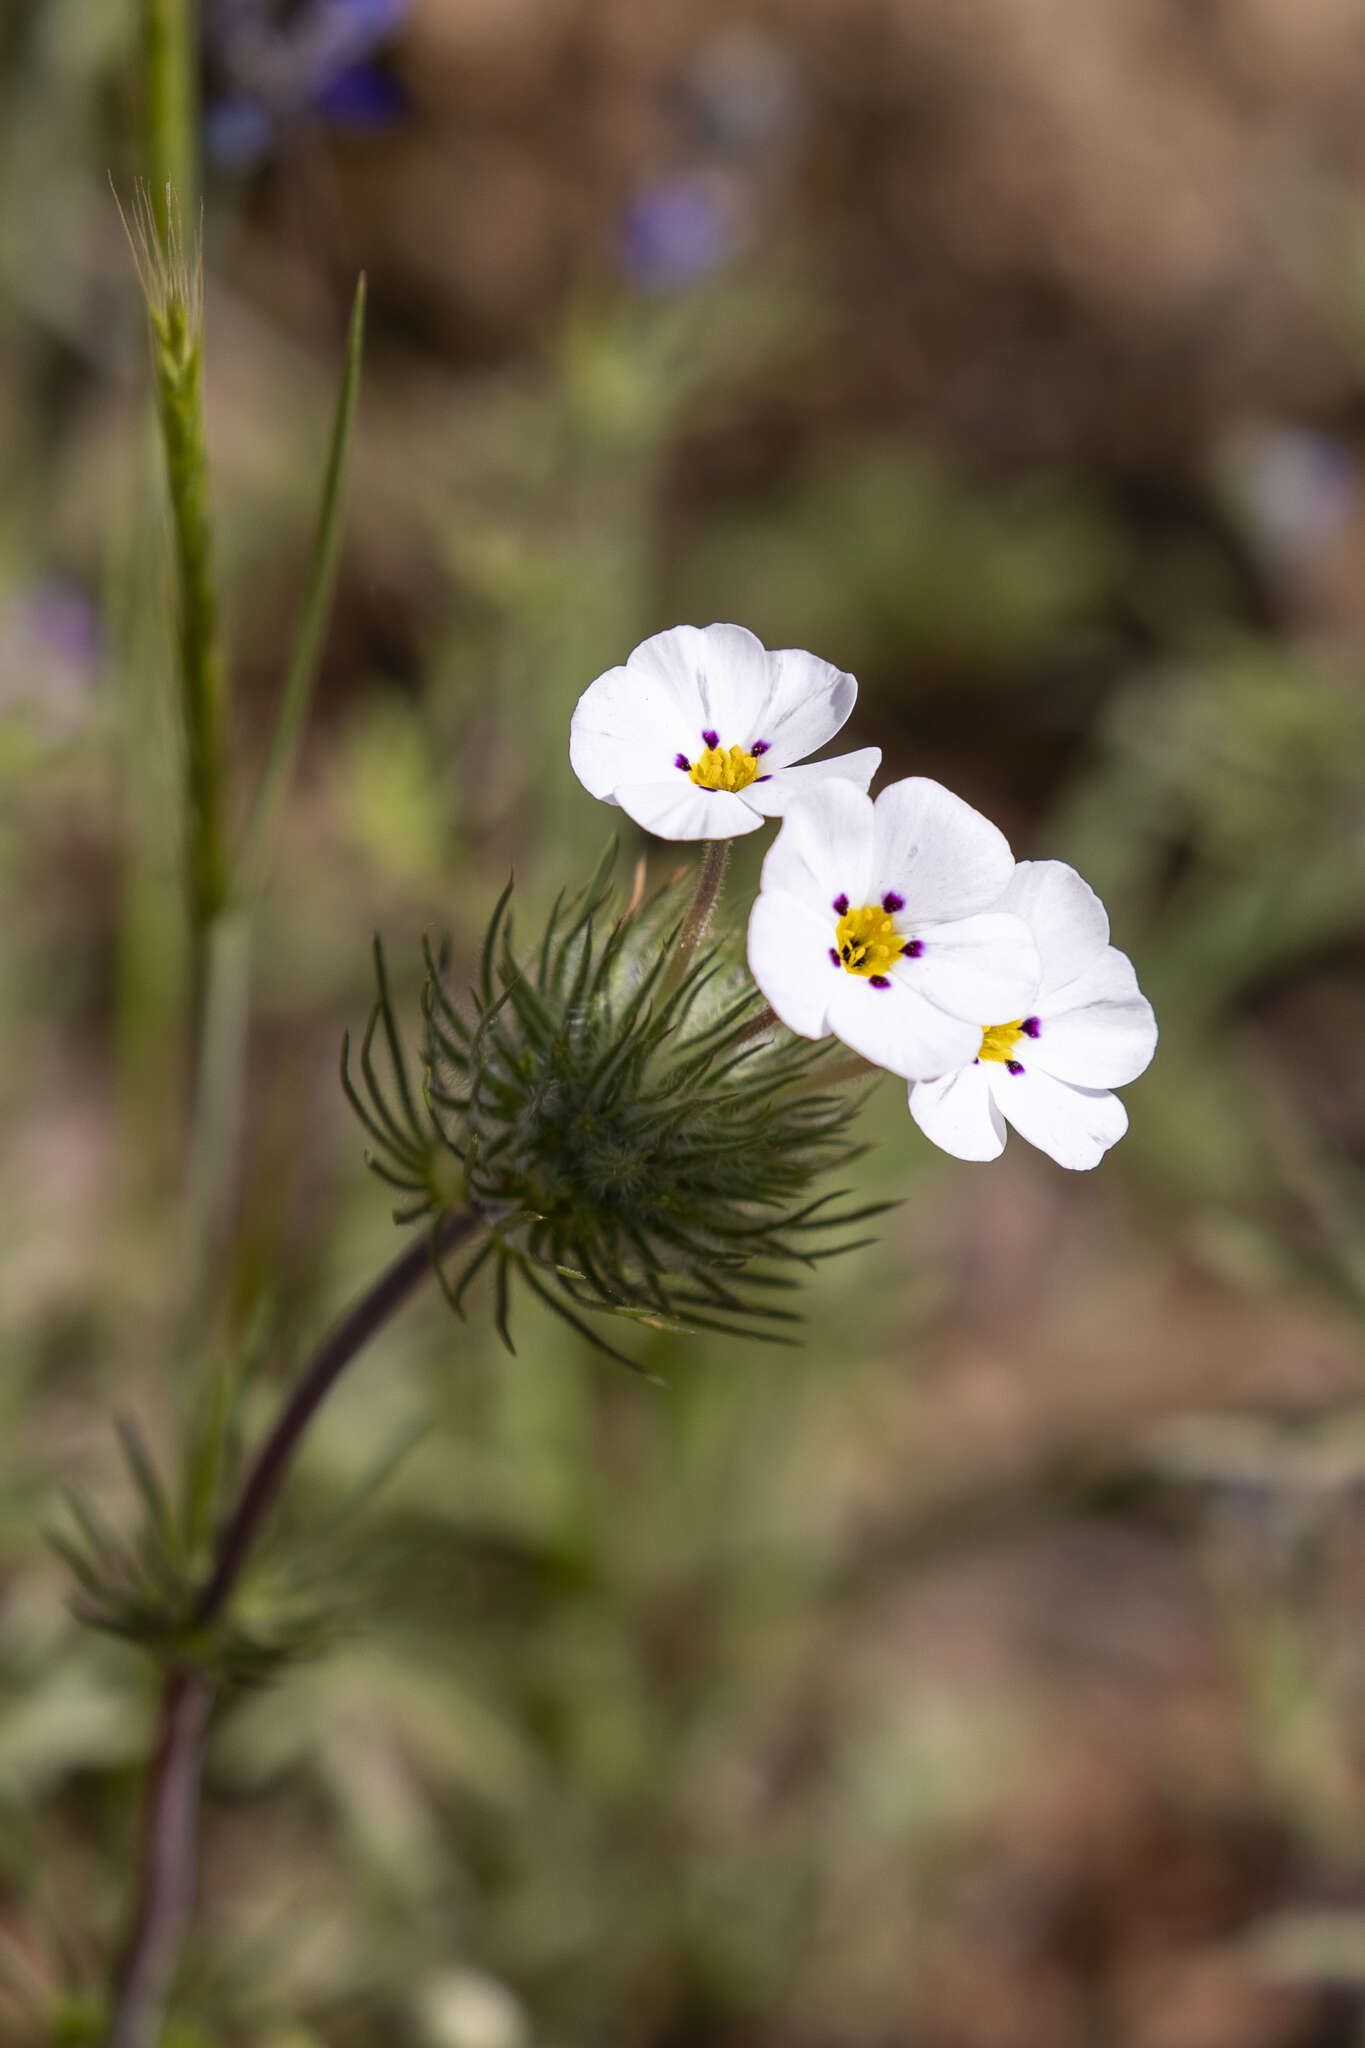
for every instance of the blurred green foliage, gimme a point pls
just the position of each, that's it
(775, 1703)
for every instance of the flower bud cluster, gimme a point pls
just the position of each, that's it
(636, 1133)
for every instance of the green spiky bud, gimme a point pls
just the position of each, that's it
(638, 1135)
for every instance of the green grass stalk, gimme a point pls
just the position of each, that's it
(219, 1092)
(179, 379)
(173, 287)
(306, 653)
(170, 69)
(153, 963)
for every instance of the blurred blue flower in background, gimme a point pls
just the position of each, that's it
(1297, 489)
(51, 650)
(679, 231)
(737, 115)
(277, 65)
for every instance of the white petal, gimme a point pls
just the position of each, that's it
(789, 947)
(897, 1028)
(782, 788)
(944, 858)
(736, 682)
(824, 850)
(984, 968)
(1109, 977)
(1067, 919)
(675, 662)
(959, 1114)
(808, 701)
(720, 675)
(627, 727)
(679, 810)
(1100, 1031)
(1074, 1126)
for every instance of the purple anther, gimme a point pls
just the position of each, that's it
(1015, 1066)
(681, 761)
(1030, 1027)
(892, 902)
(759, 747)
(877, 981)
(834, 959)
(841, 905)
(712, 738)
(912, 949)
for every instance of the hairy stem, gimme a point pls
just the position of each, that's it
(856, 1069)
(757, 1027)
(165, 1884)
(713, 867)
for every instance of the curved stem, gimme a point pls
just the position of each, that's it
(349, 1336)
(165, 1886)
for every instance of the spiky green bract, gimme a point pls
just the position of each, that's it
(635, 1141)
(145, 1587)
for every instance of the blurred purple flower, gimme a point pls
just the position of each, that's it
(678, 232)
(362, 96)
(1298, 489)
(51, 649)
(238, 132)
(275, 65)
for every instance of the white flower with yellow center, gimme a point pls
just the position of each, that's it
(1049, 1070)
(876, 922)
(698, 735)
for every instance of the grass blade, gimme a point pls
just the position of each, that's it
(301, 673)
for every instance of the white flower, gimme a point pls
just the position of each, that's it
(869, 924)
(695, 738)
(1049, 1071)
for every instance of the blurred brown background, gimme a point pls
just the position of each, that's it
(986, 1674)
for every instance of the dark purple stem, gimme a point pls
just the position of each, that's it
(165, 1888)
(349, 1336)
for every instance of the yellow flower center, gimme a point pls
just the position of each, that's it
(868, 941)
(999, 1040)
(724, 768)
